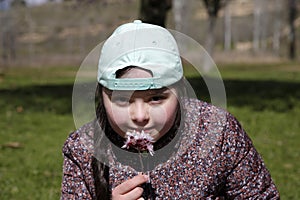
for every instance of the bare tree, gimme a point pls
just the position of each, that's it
(256, 26)
(277, 26)
(227, 27)
(8, 37)
(155, 11)
(264, 24)
(292, 4)
(260, 25)
(181, 10)
(31, 29)
(212, 7)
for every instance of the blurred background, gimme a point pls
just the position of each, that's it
(255, 44)
(50, 32)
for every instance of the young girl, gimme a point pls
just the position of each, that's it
(151, 139)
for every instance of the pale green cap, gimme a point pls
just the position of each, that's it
(146, 46)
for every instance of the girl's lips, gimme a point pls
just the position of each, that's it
(149, 132)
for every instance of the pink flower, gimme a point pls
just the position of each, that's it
(140, 141)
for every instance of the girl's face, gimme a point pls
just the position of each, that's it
(153, 111)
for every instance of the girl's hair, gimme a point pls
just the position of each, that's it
(102, 126)
(100, 169)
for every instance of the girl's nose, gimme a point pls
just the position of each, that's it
(139, 112)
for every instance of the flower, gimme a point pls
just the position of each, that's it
(140, 141)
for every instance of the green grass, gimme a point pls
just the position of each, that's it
(265, 99)
(35, 107)
(35, 112)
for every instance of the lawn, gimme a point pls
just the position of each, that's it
(36, 118)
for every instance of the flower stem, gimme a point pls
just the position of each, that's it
(141, 161)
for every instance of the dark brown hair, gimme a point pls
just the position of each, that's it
(100, 169)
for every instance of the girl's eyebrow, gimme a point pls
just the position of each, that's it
(157, 91)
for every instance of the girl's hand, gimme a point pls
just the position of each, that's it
(130, 190)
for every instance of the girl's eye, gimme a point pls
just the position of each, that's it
(121, 100)
(157, 99)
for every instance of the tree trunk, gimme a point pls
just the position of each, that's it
(210, 40)
(264, 24)
(31, 27)
(257, 26)
(8, 34)
(292, 33)
(212, 8)
(227, 27)
(277, 26)
(181, 10)
(155, 11)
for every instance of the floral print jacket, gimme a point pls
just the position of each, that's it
(212, 159)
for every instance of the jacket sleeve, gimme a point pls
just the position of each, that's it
(76, 180)
(248, 176)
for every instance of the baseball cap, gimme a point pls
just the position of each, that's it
(142, 45)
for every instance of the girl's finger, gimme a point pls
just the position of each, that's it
(136, 193)
(130, 184)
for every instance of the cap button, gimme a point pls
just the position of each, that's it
(137, 21)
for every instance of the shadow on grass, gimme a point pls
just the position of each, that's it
(39, 98)
(258, 95)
